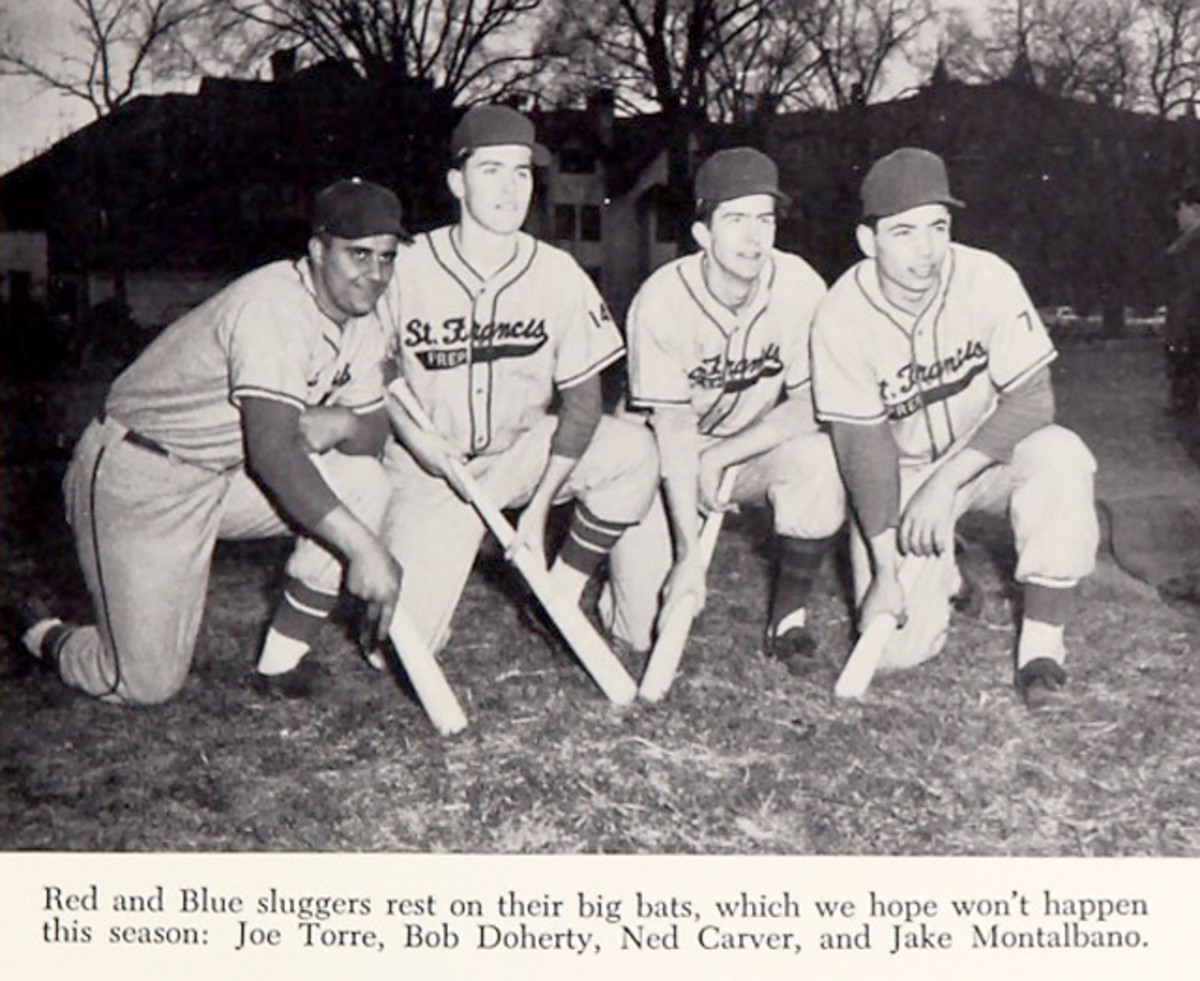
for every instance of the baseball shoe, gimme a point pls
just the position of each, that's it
(1040, 682)
(376, 656)
(303, 681)
(37, 630)
(795, 649)
(967, 600)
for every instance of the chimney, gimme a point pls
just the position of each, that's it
(283, 64)
(601, 109)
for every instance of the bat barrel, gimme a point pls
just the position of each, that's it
(433, 691)
(860, 666)
(668, 652)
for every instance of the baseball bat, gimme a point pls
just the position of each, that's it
(860, 666)
(427, 679)
(579, 633)
(668, 646)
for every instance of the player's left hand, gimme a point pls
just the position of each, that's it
(530, 534)
(686, 578)
(708, 486)
(325, 426)
(927, 525)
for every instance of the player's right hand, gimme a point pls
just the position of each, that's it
(437, 457)
(884, 595)
(686, 578)
(374, 577)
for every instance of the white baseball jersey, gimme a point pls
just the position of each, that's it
(262, 335)
(731, 367)
(934, 377)
(484, 356)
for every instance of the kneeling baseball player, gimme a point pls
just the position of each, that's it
(931, 366)
(258, 412)
(718, 354)
(489, 324)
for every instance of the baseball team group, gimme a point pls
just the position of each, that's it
(347, 398)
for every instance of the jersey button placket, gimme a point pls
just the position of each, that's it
(480, 424)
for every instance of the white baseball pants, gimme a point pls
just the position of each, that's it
(799, 480)
(1046, 492)
(435, 535)
(145, 527)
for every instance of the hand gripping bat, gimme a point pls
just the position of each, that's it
(668, 647)
(579, 633)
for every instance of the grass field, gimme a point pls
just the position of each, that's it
(740, 757)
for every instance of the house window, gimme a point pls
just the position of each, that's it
(564, 222)
(589, 223)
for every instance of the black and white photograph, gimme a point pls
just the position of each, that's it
(695, 483)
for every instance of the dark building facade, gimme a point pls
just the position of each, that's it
(156, 205)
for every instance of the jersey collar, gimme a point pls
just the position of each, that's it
(333, 332)
(728, 321)
(867, 276)
(448, 256)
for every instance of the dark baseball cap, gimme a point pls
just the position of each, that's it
(496, 126)
(905, 178)
(354, 208)
(735, 173)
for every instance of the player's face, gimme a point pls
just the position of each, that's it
(908, 249)
(740, 235)
(495, 185)
(350, 274)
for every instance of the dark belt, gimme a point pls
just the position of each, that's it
(145, 442)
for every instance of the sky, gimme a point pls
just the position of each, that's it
(32, 119)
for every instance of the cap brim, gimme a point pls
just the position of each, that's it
(745, 192)
(947, 200)
(541, 156)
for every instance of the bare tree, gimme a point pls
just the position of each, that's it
(725, 59)
(653, 52)
(118, 49)
(854, 41)
(1068, 48)
(470, 49)
(1173, 55)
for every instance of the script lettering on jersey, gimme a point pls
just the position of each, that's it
(457, 340)
(339, 380)
(736, 374)
(918, 384)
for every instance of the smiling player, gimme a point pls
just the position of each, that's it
(718, 354)
(259, 411)
(932, 368)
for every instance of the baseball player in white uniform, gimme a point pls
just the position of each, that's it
(932, 368)
(489, 326)
(718, 355)
(260, 410)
